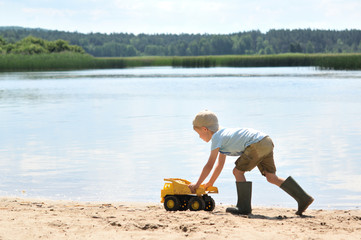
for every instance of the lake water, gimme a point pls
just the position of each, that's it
(113, 135)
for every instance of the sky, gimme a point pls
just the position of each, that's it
(180, 16)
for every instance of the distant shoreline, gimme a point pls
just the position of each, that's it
(253, 42)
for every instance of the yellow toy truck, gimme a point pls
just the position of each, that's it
(176, 195)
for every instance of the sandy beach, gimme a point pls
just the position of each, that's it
(46, 219)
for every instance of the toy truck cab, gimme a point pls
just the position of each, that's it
(176, 195)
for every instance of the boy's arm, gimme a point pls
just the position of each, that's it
(206, 170)
(217, 170)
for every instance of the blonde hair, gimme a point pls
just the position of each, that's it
(206, 119)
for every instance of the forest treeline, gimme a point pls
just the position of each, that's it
(32, 45)
(250, 43)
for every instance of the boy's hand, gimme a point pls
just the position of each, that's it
(208, 184)
(193, 187)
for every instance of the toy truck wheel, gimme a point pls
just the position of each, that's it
(171, 203)
(196, 204)
(210, 203)
(183, 203)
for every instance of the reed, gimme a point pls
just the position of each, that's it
(326, 61)
(206, 61)
(147, 61)
(339, 61)
(70, 61)
(44, 62)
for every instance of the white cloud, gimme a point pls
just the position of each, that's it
(166, 5)
(53, 12)
(189, 16)
(97, 14)
(132, 5)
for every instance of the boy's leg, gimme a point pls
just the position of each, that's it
(244, 194)
(239, 175)
(273, 178)
(291, 187)
(249, 159)
(268, 169)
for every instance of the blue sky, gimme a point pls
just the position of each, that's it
(180, 16)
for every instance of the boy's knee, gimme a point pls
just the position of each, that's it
(274, 179)
(237, 172)
(270, 177)
(239, 175)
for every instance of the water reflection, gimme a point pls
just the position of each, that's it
(115, 134)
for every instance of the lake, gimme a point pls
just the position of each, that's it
(114, 135)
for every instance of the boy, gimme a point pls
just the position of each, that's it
(254, 148)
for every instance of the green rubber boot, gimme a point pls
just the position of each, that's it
(291, 187)
(244, 192)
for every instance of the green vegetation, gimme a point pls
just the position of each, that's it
(35, 54)
(242, 43)
(339, 61)
(69, 61)
(32, 45)
(324, 61)
(55, 61)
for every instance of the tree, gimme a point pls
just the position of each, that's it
(193, 49)
(339, 47)
(2, 45)
(29, 49)
(2, 41)
(221, 45)
(310, 47)
(295, 48)
(33, 45)
(32, 40)
(204, 47)
(154, 50)
(61, 45)
(181, 48)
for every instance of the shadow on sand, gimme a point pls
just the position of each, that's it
(279, 217)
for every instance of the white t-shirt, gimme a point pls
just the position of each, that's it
(233, 141)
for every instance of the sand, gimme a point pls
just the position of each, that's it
(45, 219)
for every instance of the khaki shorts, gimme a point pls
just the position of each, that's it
(258, 154)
